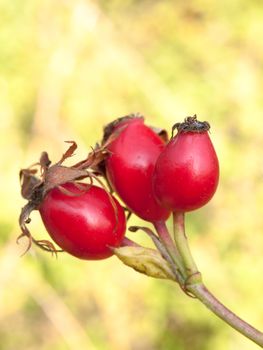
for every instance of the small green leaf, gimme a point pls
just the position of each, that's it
(146, 261)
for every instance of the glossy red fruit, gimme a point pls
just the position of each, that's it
(84, 223)
(130, 165)
(187, 172)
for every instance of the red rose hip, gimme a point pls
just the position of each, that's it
(85, 223)
(130, 164)
(187, 171)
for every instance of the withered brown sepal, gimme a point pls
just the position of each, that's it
(43, 176)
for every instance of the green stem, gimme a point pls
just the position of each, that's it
(190, 268)
(161, 229)
(194, 285)
(208, 299)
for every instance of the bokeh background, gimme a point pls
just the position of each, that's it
(67, 68)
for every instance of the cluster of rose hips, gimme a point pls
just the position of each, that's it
(153, 176)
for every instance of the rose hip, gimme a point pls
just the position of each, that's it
(187, 171)
(130, 165)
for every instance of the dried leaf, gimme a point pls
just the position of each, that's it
(145, 260)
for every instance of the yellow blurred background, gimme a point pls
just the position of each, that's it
(67, 68)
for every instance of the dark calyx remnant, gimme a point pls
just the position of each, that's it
(112, 130)
(111, 127)
(115, 127)
(191, 124)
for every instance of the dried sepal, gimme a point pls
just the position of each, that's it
(110, 128)
(46, 245)
(28, 182)
(42, 177)
(23, 220)
(58, 175)
(69, 152)
(191, 124)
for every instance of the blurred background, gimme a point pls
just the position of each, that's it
(67, 68)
